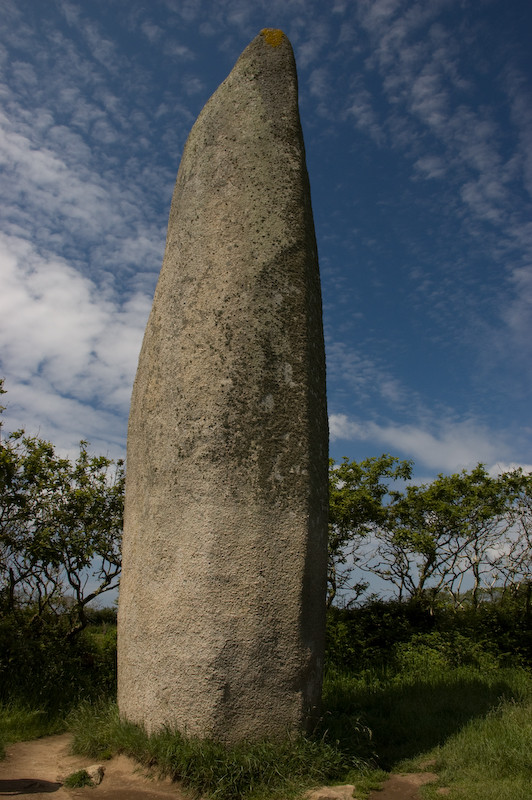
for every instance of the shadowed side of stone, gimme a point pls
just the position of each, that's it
(221, 615)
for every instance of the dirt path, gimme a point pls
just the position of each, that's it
(403, 787)
(36, 769)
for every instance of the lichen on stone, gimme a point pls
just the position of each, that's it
(272, 36)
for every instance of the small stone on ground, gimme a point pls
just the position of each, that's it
(95, 773)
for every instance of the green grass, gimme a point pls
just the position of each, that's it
(19, 723)
(489, 759)
(409, 715)
(472, 723)
(249, 770)
(78, 779)
(376, 720)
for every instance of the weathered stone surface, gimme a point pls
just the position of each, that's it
(221, 614)
(95, 773)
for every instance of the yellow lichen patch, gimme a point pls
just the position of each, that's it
(272, 36)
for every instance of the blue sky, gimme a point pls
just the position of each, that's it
(417, 119)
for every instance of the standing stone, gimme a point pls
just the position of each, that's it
(221, 620)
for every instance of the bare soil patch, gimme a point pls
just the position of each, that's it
(36, 770)
(403, 787)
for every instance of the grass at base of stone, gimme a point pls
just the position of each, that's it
(248, 770)
(18, 723)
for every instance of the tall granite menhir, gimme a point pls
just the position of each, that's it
(221, 614)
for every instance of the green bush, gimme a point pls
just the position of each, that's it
(430, 653)
(376, 635)
(420, 657)
(365, 637)
(41, 667)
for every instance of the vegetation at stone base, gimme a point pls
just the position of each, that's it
(432, 683)
(403, 679)
(398, 716)
(248, 770)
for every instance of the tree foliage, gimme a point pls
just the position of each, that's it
(469, 531)
(438, 533)
(60, 530)
(358, 496)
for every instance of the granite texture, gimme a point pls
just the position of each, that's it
(222, 600)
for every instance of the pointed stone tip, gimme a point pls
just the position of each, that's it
(272, 36)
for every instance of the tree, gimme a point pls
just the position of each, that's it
(60, 530)
(514, 565)
(358, 495)
(437, 533)
(467, 531)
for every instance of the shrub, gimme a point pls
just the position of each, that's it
(78, 779)
(42, 668)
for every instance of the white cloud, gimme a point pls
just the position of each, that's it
(192, 85)
(58, 198)
(319, 82)
(447, 446)
(428, 99)
(341, 427)
(360, 108)
(316, 39)
(152, 32)
(339, 6)
(178, 50)
(66, 339)
(518, 313)
(500, 467)
(430, 166)
(364, 376)
(521, 110)
(428, 92)
(374, 13)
